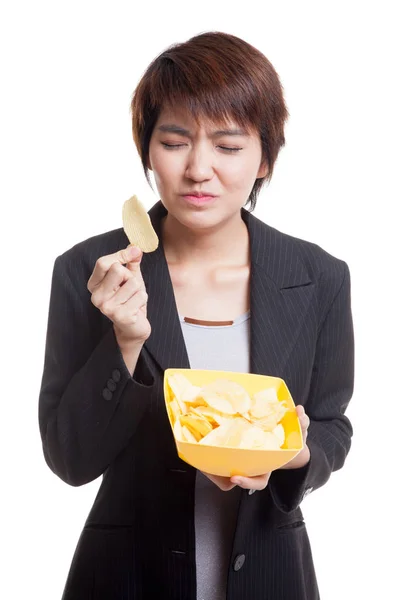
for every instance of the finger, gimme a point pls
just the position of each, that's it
(303, 418)
(137, 254)
(125, 303)
(306, 422)
(128, 290)
(259, 482)
(223, 483)
(103, 264)
(134, 267)
(115, 279)
(124, 313)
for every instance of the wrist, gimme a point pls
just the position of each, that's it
(127, 344)
(299, 461)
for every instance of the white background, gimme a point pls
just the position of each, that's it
(68, 163)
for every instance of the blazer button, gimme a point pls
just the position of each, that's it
(239, 562)
(107, 394)
(116, 375)
(112, 386)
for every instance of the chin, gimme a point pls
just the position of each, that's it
(200, 218)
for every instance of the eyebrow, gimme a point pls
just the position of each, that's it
(186, 133)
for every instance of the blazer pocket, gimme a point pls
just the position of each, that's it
(295, 525)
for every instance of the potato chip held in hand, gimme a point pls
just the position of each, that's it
(137, 225)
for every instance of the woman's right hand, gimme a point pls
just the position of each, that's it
(119, 292)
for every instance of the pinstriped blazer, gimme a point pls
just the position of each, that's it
(138, 542)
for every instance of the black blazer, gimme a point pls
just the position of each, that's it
(138, 542)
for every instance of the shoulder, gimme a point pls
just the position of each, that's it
(279, 245)
(291, 261)
(82, 256)
(320, 264)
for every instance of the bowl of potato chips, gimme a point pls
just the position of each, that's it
(228, 423)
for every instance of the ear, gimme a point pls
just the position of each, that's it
(263, 170)
(148, 163)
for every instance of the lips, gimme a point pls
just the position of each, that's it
(203, 194)
(198, 200)
(205, 197)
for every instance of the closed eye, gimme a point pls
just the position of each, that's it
(225, 148)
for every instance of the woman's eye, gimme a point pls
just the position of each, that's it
(230, 149)
(225, 148)
(172, 145)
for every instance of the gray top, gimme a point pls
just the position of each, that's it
(225, 348)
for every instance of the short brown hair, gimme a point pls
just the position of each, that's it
(215, 76)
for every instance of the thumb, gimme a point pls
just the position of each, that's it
(136, 255)
(304, 421)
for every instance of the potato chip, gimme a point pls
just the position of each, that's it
(187, 435)
(183, 407)
(179, 385)
(196, 435)
(196, 424)
(212, 415)
(178, 430)
(220, 435)
(222, 414)
(138, 226)
(226, 396)
(279, 433)
(192, 396)
(271, 442)
(252, 437)
(262, 402)
(175, 409)
(182, 388)
(229, 433)
(255, 438)
(268, 423)
(266, 409)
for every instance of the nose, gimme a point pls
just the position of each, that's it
(200, 163)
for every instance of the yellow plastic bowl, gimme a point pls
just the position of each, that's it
(228, 461)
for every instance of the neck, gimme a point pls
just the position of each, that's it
(226, 245)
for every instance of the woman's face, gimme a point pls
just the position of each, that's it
(185, 158)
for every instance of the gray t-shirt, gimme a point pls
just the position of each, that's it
(222, 348)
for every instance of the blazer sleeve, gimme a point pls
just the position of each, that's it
(331, 388)
(89, 404)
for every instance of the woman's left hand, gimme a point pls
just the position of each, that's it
(261, 481)
(303, 456)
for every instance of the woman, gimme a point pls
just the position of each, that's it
(223, 291)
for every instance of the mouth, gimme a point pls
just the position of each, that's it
(199, 200)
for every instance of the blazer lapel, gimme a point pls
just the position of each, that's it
(280, 294)
(280, 297)
(166, 342)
